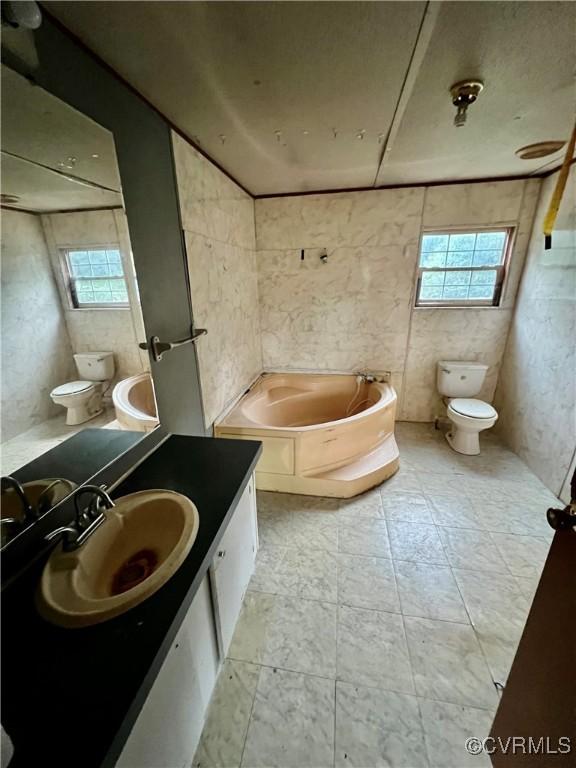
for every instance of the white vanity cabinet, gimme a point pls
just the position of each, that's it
(233, 566)
(169, 725)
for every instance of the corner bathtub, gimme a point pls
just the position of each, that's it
(135, 404)
(322, 434)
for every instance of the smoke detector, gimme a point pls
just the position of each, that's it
(541, 149)
(463, 94)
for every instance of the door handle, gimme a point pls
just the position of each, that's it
(158, 348)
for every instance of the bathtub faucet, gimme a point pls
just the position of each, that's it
(366, 377)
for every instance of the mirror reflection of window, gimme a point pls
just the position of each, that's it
(71, 316)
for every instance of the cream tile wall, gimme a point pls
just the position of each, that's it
(466, 334)
(356, 311)
(218, 222)
(94, 330)
(536, 392)
(36, 349)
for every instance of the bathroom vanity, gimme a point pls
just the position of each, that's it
(133, 691)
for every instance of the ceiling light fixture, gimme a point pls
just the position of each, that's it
(540, 149)
(463, 94)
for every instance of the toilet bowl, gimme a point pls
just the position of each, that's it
(469, 417)
(458, 382)
(83, 398)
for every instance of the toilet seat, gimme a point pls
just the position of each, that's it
(72, 388)
(473, 409)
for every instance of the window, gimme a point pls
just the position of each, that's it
(95, 277)
(462, 268)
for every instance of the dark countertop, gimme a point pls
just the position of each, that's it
(80, 456)
(71, 696)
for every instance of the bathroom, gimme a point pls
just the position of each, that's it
(63, 222)
(342, 254)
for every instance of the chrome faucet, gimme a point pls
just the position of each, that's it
(10, 483)
(88, 519)
(367, 378)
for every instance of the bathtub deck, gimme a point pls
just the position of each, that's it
(374, 629)
(341, 483)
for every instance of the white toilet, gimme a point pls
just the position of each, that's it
(459, 382)
(83, 398)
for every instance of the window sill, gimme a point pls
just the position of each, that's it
(467, 307)
(99, 309)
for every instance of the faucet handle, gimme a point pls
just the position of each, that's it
(69, 535)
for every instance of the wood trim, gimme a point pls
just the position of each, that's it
(413, 185)
(61, 210)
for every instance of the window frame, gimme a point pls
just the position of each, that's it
(69, 279)
(501, 270)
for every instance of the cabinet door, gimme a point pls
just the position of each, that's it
(168, 728)
(233, 566)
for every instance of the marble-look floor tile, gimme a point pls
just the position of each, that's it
(372, 650)
(379, 729)
(471, 549)
(429, 591)
(268, 560)
(368, 505)
(299, 530)
(528, 585)
(270, 501)
(454, 511)
(363, 537)
(407, 508)
(524, 555)
(291, 633)
(292, 723)
(504, 515)
(367, 582)
(419, 543)
(498, 611)
(251, 634)
(448, 663)
(227, 720)
(311, 574)
(404, 481)
(447, 727)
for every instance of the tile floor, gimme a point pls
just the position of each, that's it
(29, 445)
(374, 629)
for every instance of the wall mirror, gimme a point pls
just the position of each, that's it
(76, 388)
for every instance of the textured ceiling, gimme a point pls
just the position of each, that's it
(39, 133)
(291, 96)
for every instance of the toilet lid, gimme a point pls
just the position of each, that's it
(475, 409)
(72, 388)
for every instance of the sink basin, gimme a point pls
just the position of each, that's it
(42, 495)
(49, 491)
(144, 540)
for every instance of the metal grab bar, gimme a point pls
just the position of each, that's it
(158, 348)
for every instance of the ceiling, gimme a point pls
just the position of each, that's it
(53, 157)
(302, 96)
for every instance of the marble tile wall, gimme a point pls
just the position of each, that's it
(36, 349)
(356, 311)
(218, 222)
(536, 396)
(93, 330)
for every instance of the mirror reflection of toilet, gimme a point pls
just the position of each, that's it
(83, 398)
(458, 382)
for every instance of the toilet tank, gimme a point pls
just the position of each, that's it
(460, 379)
(95, 366)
